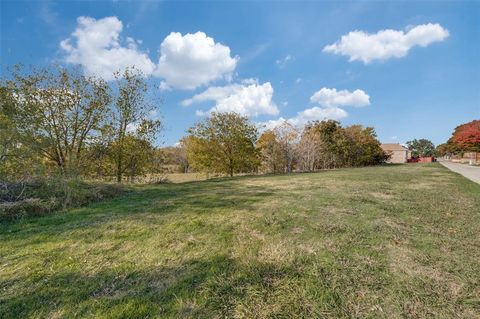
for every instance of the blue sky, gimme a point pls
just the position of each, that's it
(409, 69)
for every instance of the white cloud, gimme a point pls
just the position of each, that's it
(271, 124)
(192, 60)
(330, 102)
(320, 113)
(186, 61)
(308, 115)
(249, 98)
(385, 44)
(164, 86)
(95, 44)
(132, 127)
(284, 61)
(332, 98)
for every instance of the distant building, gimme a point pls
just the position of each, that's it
(397, 152)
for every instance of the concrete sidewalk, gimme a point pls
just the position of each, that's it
(470, 172)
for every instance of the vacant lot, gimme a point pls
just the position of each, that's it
(391, 241)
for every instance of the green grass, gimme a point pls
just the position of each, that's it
(389, 241)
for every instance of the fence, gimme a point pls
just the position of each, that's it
(428, 159)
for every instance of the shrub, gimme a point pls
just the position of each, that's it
(25, 207)
(43, 195)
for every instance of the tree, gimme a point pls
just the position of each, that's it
(326, 144)
(309, 150)
(467, 136)
(131, 115)
(16, 160)
(223, 143)
(201, 154)
(270, 152)
(56, 111)
(287, 136)
(331, 143)
(171, 158)
(421, 148)
(441, 150)
(181, 156)
(364, 148)
(100, 164)
(8, 141)
(137, 158)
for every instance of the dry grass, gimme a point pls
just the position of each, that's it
(336, 244)
(184, 178)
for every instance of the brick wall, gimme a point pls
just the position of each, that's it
(397, 156)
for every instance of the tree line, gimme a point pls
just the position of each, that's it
(228, 143)
(59, 121)
(465, 138)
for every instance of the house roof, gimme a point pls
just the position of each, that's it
(393, 147)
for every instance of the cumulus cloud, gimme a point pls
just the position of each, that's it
(308, 115)
(385, 44)
(330, 103)
(271, 124)
(192, 60)
(96, 45)
(248, 98)
(186, 61)
(332, 98)
(321, 113)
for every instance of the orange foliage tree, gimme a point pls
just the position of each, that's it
(467, 136)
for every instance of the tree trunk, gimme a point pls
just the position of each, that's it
(231, 167)
(121, 136)
(119, 174)
(119, 165)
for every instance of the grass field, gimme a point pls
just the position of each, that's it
(380, 242)
(185, 177)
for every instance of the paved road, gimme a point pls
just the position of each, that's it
(470, 172)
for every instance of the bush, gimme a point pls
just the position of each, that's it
(43, 195)
(25, 207)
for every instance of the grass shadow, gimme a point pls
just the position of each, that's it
(198, 288)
